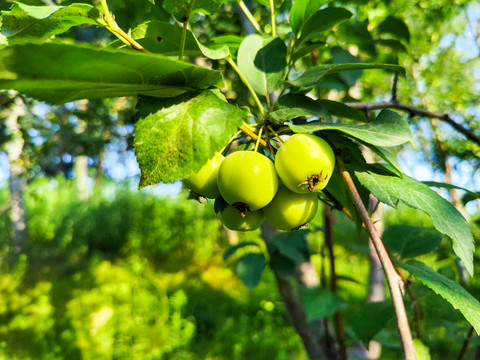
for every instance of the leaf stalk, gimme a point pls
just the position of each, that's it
(247, 84)
(110, 23)
(249, 16)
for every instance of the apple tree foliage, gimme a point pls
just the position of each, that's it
(195, 90)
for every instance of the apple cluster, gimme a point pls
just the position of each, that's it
(248, 186)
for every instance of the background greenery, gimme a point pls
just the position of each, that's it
(123, 274)
(128, 274)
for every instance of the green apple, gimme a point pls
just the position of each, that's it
(247, 180)
(204, 182)
(235, 220)
(305, 163)
(289, 210)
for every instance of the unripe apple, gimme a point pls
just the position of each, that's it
(289, 210)
(305, 163)
(247, 180)
(235, 220)
(204, 182)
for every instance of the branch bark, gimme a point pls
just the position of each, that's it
(393, 279)
(294, 306)
(414, 111)
(337, 316)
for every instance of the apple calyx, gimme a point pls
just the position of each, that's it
(242, 208)
(303, 226)
(313, 180)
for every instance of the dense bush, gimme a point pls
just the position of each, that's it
(128, 275)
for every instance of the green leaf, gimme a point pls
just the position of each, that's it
(343, 111)
(293, 245)
(232, 41)
(456, 295)
(61, 72)
(296, 105)
(249, 269)
(421, 350)
(306, 49)
(388, 129)
(391, 190)
(162, 38)
(313, 75)
(214, 51)
(394, 26)
(44, 21)
(282, 266)
(233, 249)
(367, 326)
(322, 21)
(450, 186)
(262, 60)
(409, 241)
(183, 9)
(392, 44)
(319, 302)
(175, 137)
(342, 56)
(388, 157)
(301, 11)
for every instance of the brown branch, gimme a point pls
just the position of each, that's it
(414, 111)
(393, 279)
(298, 318)
(394, 88)
(468, 338)
(337, 316)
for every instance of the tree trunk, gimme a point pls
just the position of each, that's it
(17, 179)
(295, 310)
(81, 176)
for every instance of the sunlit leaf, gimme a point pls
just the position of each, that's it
(175, 137)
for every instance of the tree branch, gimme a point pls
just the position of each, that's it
(394, 88)
(293, 305)
(414, 111)
(468, 338)
(393, 279)
(337, 316)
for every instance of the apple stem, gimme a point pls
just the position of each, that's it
(230, 141)
(245, 128)
(258, 139)
(275, 133)
(393, 279)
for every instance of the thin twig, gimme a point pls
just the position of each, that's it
(414, 111)
(468, 338)
(394, 88)
(393, 279)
